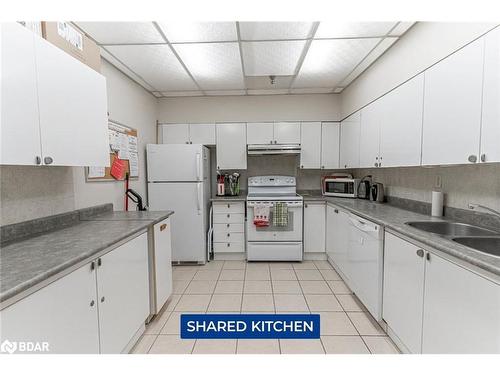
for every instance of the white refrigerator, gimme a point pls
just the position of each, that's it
(178, 180)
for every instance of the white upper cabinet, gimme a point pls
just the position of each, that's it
(401, 125)
(349, 141)
(287, 132)
(452, 107)
(203, 134)
(72, 100)
(175, 133)
(490, 131)
(20, 129)
(310, 153)
(259, 133)
(330, 143)
(64, 104)
(231, 146)
(369, 140)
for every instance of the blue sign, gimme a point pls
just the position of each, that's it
(250, 326)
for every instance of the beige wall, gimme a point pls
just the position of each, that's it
(32, 192)
(422, 46)
(312, 107)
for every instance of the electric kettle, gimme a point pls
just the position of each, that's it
(377, 190)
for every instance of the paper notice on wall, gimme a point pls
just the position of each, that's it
(113, 140)
(133, 162)
(132, 143)
(72, 36)
(123, 151)
(95, 172)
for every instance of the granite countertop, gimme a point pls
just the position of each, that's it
(394, 219)
(28, 262)
(235, 198)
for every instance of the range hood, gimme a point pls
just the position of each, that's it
(272, 149)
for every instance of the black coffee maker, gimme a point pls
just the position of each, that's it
(364, 187)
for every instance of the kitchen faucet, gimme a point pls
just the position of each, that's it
(474, 206)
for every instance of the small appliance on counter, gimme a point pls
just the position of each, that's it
(228, 184)
(377, 191)
(340, 185)
(364, 187)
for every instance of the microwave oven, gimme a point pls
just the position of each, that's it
(340, 187)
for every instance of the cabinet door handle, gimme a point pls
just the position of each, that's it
(428, 256)
(92, 303)
(102, 299)
(99, 262)
(38, 160)
(228, 225)
(228, 244)
(336, 211)
(92, 265)
(163, 227)
(483, 158)
(376, 164)
(229, 234)
(420, 253)
(48, 160)
(228, 215)
(305, 205)
(472, 158)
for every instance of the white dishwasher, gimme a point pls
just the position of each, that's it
(365, 262)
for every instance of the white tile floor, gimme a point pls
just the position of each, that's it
(237, 286)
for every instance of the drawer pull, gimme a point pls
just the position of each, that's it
(228, 205)
(163, 227)
(228, 225)
(228, 215)
(229, 234)
(228, 245)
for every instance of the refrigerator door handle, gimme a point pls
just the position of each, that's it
(198, 166)
(198, 198)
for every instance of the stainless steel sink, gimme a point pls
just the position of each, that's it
(446, 228)
(488, 245)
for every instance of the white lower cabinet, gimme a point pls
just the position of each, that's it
(228, 227)
(337, 238)
(434, 305)
(314, 227)
(63, 314)
(403, 300)
(97, 308)
(162, 263)
(461, 310)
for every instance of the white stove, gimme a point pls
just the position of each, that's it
(268, 243)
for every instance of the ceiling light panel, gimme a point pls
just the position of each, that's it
(182, 32)
(275, 30)
(124, 69)
(215, 66)
(122, 32)
(328, 62)
(353, 29)
(383, 46)
(156, 64)
(271, 58)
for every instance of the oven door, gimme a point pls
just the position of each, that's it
(292, 232)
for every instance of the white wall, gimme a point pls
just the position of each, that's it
(131, 105)
(422, 46)
(250, 108)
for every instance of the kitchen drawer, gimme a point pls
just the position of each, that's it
(230, 227)
(220, 236)
(229, 247)
(224, 208)
(229, 218)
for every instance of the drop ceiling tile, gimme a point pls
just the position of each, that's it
(121, 32)
(215, 66)
(271, 58)
(124, 69)
(274, 30)
(268, 92)
(156, 64)
(353, 29)
(383, 46)
(401, 28)
(314, 90)
(280, 82)
(177, 32)
(182, 93)
(224, 92)
(328, 62)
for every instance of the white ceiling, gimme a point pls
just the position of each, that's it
(236, 58)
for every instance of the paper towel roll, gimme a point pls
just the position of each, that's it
(437, 203)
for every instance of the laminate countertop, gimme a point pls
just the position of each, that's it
(394, 220)
(27, 263)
